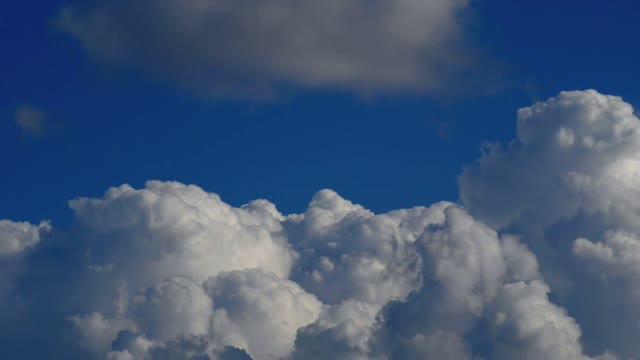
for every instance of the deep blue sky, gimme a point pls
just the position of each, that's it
(109, 128)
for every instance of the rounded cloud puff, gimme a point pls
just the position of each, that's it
(16, 237)
(579, 151)
(259, 312)
(169, 228)
(568, 180)
(347, 252)
(361, 285)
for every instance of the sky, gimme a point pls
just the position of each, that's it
(396, 105)
(111, 126)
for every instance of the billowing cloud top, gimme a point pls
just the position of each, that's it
(579, 151)
(541, 262)
(248, 47)
(16, 237)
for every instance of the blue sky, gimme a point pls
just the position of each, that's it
(109, 127)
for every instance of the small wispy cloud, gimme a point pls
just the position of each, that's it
(31, 120)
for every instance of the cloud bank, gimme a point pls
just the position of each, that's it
(251, 47)
(541, 261)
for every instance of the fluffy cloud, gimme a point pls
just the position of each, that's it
(259, 312)
(619, 254)
(148, 235)
(347, 252)
(572, 175)
(479, 285)
(541, 261)
(576, 152)
(610, 277)
(170, 271)
(18, 240)
(172, 308)
(97, 333)
(342, 331)
(249, 309)
(248, 47)
(16, 237)
(529, 326)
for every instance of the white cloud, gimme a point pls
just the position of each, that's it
(16, 237)
(171, 271)
(97, 333)
(610, 279)
(166, 229)
(341, 332)
(618, 255)
(528, 326)
(259, 312)
(438, 345)
(543, 263)
(248, 47)
(347, 252)
(576, 152)
(572, 175)
(172, 308)
(468, 273)
(473, 276)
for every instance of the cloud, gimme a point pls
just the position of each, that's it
(97, 333)
(540, 261)
(362, 256)
(618, 254)
(341, 331)
(31, 120)
(250, 47)
(577, 151)
(150, 234)
(529, 326)
(569, 180)
(153, 273)
(250, 309)
(16, 237)
(259, 312)
(478, 285)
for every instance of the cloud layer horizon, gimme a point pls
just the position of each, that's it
(541, 260)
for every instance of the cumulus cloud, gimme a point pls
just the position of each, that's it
(249, 47)
(477, 285)
(16, 237)
(172, 308)
(529, 326)
(347, 252)
(147, 235)
(540, 261)
(172, 272)
(619, 254)
(250, 309)
(17, 241)
(341, 331)
(259, 312)
(610, 275)
(575, 152)
(567, 182)
(97, 333)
